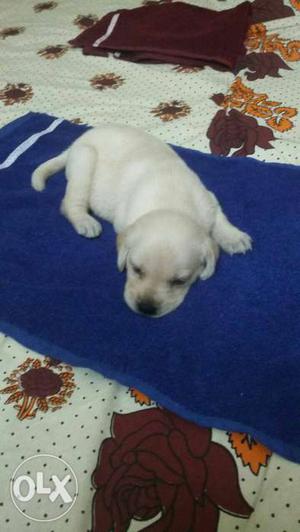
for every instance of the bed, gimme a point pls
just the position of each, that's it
(49, 407)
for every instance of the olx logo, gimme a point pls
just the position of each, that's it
(44, 487)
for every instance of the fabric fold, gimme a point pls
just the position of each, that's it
(178, 33)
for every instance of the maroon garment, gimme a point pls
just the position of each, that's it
(177, 33)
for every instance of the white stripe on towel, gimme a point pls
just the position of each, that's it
(109, 30)
(26, 144)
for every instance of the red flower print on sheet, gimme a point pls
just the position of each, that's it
(173, 110)
(53, 51)
(44, 6)
(157, 465)
(259, 65)
(236, 130)
(16, 93)
(10, 32)
(85, 21)
(37, 384)
(106, 81)
(236, 125)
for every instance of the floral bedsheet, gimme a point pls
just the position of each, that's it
(138, 466)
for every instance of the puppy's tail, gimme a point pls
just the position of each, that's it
(47, 169)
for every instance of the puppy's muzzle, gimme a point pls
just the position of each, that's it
(148, 307)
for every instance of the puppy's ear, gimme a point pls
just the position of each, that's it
(122, 250)
(210, 255)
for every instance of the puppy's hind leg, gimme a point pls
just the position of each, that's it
(229, 237)
(79, 171)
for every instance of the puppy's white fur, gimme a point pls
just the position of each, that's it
(169, 225)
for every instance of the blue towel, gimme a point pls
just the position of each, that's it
(228, 357)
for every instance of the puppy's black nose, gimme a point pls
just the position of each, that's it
(147, 307)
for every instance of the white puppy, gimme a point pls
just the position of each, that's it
(169, 225)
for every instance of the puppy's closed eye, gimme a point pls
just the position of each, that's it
(137, 270)
(178, 281)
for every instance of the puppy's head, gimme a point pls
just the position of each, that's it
(164, 253)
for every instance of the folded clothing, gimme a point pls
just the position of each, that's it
(177, 33)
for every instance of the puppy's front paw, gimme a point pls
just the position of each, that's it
(237, 242)
(38, 180)
(87, 226)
